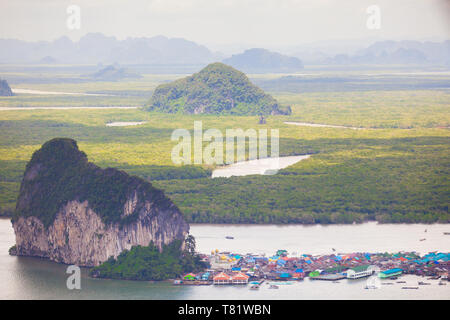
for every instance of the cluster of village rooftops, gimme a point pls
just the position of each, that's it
(232, 268)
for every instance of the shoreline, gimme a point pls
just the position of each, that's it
(6, 217)
(62, 108)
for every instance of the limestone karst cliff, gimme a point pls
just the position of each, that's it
(71, 211)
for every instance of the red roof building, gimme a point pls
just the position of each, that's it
(222, 278)
(240, 278)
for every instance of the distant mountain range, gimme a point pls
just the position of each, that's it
(216, 89)
(159, 51)
(96, 48)
(5, 90)
(392, 52)
(263, 61)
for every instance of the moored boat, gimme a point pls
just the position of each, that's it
(273, 286)
(371, 286)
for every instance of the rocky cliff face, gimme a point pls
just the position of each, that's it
(5, 90)
(59, 215)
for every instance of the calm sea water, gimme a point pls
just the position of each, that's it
(33, 278)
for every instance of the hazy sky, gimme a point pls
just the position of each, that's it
(214, 22)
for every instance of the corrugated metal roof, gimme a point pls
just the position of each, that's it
(395, 270)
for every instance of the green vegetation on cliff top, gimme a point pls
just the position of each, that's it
(148, 263)
(216, 89)
(59, 172)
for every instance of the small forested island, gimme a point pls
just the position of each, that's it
(216, 89)
(113, 73)
(148, 263)
(5, 90)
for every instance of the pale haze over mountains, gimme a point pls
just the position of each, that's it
(198, 32)
(261, 60)
(397, 52)
(96, 48)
